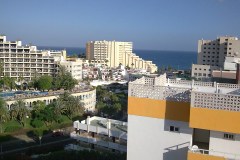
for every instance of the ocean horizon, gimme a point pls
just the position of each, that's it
(163, 59)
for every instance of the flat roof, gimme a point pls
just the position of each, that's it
(115, 125)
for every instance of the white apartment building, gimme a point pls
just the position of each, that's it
(26, 61)
(214, 52)
(172, 119)
(101, 133)
(74, 67)
(113, 53)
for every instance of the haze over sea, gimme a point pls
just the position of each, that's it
(175, 59)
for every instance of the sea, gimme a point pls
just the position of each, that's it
(163, 59)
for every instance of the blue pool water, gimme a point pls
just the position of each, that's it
(12, 94)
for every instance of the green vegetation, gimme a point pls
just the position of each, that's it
(63, 80)
(45, 82)
(57, 114)
(110, 104)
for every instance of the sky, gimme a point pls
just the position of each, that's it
(150, 24)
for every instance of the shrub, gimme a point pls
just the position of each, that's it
(12, 128)
(36, 123)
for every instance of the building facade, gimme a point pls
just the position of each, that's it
(172, 119)
(86, 95)
(112, 53)
(217, 53)
(73, 66)
(26, 61)
(101, 133)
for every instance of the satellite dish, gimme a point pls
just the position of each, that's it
(194, 148)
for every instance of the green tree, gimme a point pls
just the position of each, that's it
(38, 106)
(114, 98)
(20, 112)
(64, 79)
(117, 107)
(4, 114)
(71, 105)
(8, 82)
(45, 82)
(47, 115)
(20, 81)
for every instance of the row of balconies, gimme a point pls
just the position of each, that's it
(32, 61)
(16, 56)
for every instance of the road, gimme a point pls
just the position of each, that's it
(24, 143)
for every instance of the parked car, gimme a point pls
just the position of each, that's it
(57, 134)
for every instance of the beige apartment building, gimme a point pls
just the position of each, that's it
(112, 53)
(73, 66)
(26, 61)
(214, 54)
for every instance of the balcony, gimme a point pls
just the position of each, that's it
(195, 153)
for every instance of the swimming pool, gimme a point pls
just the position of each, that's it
(13, 93)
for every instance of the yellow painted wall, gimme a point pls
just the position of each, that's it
(218, 120)
(198, 156)
(162, 109)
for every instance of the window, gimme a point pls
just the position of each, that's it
(228, 136)
(230, 43)
(174, 129)
(195, 68)
(230, 48)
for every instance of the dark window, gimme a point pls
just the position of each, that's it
(228, 136)
(174, 129)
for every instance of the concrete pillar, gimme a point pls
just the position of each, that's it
(88, 123)
(108, 127)
(217, 91)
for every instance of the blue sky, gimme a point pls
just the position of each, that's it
(149, 24)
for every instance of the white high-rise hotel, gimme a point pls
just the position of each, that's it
(113, 53)
(26, 61)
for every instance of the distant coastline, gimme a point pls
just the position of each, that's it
(163, 59)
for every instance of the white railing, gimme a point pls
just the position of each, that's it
(227, 85)
(215, 101)
(184, 82)
(159, 92)
(215, 153)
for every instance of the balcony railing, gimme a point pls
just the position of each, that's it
(214, 153)
(98, 142)
(215, 101)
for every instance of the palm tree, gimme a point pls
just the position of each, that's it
(70, 105)
(58, 107)
(4, 114)
(38, 107)
(19, 111)
(20, 80)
